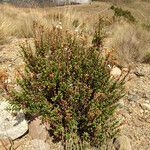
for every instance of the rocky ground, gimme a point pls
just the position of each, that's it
(134, 111)
(136, 108)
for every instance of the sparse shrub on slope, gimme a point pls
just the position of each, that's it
(68, 84)
(119, 12)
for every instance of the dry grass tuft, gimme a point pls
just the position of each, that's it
(18, 22)
(6, 29)
(129, 41)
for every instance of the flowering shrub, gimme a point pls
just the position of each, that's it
(68, 84)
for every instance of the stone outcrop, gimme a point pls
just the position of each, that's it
(11, 126)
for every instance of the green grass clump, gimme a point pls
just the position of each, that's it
(146, 26)
(68, 84)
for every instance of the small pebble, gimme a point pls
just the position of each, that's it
(141, 111)
(8, 81)
(9, 65)
(147, 101)
(145, 106)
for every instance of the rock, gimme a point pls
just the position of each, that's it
(145, 106)
(133, 96)
(147, 101)
(37, 130)
(9, 65)
(11, 126)
(141, 71)
(122, 143)
(115, 72)
(133, 105)
(141, 111)
(35, 144)
(8, 81)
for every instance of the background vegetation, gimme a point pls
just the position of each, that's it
(130, 41)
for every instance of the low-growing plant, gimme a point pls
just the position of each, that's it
(146, 26)
(146, 58)
(99, 34)
(119, 12)
(68, 84)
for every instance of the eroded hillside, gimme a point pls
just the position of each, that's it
(127, 42)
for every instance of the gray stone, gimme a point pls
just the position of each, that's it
(141, 71)
(133, 97)
(11, 126)
(122, 143)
